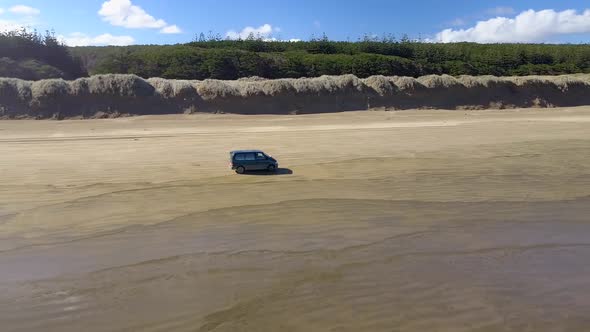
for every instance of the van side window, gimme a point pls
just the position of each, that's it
(249, 157)
(260, 156)
(240, 157)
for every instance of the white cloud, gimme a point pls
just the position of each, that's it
(528, 26)
(123, 13)
(317, 24)
(171, 29)
(18, 23)
(9, 25)
(273, 39)
(24, 10)
(499, 11)
(26, 18)
(264, 31)
(80, 39)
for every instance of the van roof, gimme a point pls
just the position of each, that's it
(244, 151)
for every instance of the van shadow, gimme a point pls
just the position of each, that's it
(279, 171)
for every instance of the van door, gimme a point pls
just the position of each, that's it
(261, 161)
(238, 160)
(250, 161)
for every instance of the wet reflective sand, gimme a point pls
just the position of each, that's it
(407, 221)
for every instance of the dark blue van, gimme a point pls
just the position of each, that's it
(251, 160)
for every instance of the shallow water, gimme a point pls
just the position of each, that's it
(414, 266)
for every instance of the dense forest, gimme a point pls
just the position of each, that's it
(33, 56)
(214, 57)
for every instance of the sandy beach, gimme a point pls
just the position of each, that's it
(376, 221)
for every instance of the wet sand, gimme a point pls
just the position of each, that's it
(377, 221)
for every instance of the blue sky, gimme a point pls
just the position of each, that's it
(99, 22)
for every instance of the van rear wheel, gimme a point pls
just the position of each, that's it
(271, 168)
(240, 170)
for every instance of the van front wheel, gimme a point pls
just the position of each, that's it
(240, 169)
(271, 168)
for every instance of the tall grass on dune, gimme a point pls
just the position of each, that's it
(117, 94)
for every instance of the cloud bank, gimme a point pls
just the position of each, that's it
(124, 13)
(528, 26)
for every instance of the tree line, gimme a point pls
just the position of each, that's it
(235, 59)
(214, 57)
(32, 55)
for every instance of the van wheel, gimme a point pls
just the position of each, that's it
(271, 168)
(240, 169)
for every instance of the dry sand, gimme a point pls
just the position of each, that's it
(378, 221)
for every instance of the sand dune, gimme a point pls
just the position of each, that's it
(104, 96)
(377, 221)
